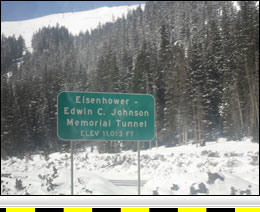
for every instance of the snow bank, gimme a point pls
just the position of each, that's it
(219, 168)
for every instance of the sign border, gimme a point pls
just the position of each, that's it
(60, 92)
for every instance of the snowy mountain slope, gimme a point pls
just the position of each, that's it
(219, 168)
(74, 22)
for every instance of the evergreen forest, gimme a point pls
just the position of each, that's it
(200, 59)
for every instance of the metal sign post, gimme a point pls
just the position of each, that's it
(71, 157)
(139, 176)
(105, 116)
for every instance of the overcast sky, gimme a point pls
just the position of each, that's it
(23, 10)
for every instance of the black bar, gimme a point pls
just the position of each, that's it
(2, 210)
(48, 209)
(164, 210)
(222, 209)
(105, 209)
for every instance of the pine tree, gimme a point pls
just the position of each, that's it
(250, 49)
(161, 72)
(212, 86)
(140, 72)
(195, 80)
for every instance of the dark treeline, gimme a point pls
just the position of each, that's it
(199, 59)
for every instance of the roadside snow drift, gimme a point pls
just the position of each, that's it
(219, 168)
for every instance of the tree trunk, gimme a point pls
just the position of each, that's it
(195, 125)
(239, 108)
(252, 98)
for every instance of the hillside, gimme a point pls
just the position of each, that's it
(75, 22)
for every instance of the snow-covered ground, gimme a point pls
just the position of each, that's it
(219, 168)
(75, 22)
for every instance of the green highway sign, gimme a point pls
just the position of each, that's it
(105, 116)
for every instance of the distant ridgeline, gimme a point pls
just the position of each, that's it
(200, 60)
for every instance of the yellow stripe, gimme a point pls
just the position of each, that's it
(134, 209)
(247, 210)
(78, 209)
(20, 209)
(192, 209)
